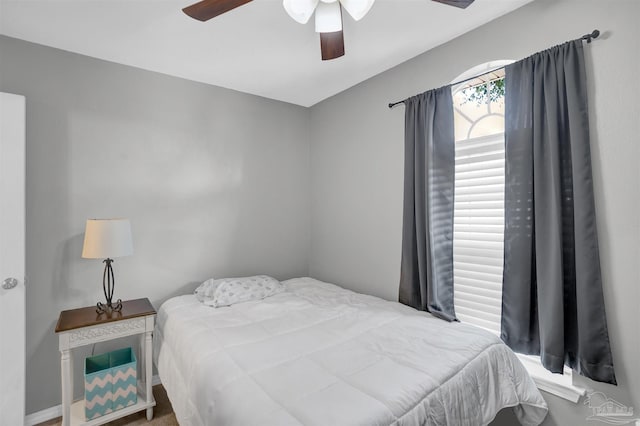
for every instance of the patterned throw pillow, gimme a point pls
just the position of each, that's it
(228, 291)
(207, 289)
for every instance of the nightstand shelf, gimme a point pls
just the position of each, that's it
(81, 327)
(77, 412)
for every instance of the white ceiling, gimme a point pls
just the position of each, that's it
(256, 48)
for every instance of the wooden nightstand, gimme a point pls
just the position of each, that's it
(80, 327)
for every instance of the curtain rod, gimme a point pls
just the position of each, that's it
(587, 37)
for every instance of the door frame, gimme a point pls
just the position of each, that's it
(12, 256)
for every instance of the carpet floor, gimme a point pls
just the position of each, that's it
(162, 414)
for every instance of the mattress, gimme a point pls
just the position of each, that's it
(317, 354)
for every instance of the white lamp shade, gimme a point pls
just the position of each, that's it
(107, 238)
(328, 17)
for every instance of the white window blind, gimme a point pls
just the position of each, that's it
(478, 237)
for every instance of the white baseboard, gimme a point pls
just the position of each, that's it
(155, 380)
(54, 412)
(43, 415)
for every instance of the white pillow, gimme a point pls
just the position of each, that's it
(229, 291)
(206, 290)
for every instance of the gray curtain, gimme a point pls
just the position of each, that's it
(426, 278)
(552, 289)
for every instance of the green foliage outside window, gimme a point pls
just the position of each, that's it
(492, 91)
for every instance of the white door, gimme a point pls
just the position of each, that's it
(12, 254)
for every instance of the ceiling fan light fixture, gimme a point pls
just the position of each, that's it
(357, 8)
(328, 17)
(300, 10)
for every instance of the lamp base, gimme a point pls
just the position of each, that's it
(108, 285)
(102, 308)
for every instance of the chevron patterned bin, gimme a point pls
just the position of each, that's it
(110, 382)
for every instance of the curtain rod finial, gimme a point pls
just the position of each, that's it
(589, 37)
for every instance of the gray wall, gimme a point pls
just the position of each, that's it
(357, 163)
(215, 183)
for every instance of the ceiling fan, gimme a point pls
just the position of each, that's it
(328, 16)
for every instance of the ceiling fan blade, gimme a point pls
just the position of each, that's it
(207, 9)
(332, 45)
(462, 4)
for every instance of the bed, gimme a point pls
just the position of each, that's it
(317, 354)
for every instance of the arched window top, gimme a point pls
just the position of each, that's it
(480, 70)
(478, 103)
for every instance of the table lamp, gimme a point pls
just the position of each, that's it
(106, 239)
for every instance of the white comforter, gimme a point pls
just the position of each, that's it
(317, 354)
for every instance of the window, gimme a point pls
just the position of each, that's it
(478, 233)
(478, 239)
